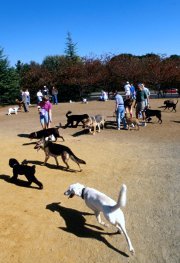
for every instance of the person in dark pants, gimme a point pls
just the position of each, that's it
(25, 101)
(54, 95)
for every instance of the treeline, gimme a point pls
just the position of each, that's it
(76, 77)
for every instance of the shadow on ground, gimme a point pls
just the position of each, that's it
(76, 224)
(50, 166)
(18, 182)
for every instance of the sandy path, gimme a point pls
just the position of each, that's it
(44, 226)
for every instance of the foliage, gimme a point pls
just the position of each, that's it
(76, 77)
(9, 81)
(71, 49)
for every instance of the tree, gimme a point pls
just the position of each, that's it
(9, 81)
(71, 49)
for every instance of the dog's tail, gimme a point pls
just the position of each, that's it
(67, 114)
(121, 202)
(177, 102)
(59, 126)
(76, 159)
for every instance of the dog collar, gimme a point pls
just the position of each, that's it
(82, 194)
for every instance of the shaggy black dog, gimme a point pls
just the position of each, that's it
(21, 169)
(150, 113)
(75, 118)
(46, 133)
(170, 104)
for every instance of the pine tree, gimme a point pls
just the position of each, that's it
(9, 81)
(71, 49)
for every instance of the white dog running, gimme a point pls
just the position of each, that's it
(13, 110)
(100, 202)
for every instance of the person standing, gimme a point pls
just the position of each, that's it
(28, 96)
(147, 94)
(45, 91)
(25, 101)
(45, 112)
(132, 92)
(54, 95)
(39, 96)
(127, 90)
(140, 101)
(120, 110)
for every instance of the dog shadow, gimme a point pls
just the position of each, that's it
(76, 224)
(23, 135)
(176, 121)
(18, 182)
(28, 143)
(50, 166)
(79, 133)
(110, 125)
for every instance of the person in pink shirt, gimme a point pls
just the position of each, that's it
(45, 112)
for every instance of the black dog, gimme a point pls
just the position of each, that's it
(150, 113)
(170, 104)
(21, 169)
(46, 133)
(75, 118)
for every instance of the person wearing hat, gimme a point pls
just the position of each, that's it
(127, 90)
(45, 112)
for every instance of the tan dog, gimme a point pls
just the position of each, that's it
(19, 103)
(93, 122)
(132, 122)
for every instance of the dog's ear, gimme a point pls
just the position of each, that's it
(12, 162)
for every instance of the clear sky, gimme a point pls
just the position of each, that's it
(32, 30)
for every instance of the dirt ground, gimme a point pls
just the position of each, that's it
(44, 226)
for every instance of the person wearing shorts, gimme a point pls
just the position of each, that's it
(140, 101)
(45, 112)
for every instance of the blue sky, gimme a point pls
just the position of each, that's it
(32, 30)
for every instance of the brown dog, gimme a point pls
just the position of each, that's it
(93, 122)
(19, 103)
(54, 150)
(132, 122)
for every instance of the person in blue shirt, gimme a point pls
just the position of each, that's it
(120, 110)
(133, 92)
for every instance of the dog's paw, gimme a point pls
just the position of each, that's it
(132, 251)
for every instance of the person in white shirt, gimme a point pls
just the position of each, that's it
(127, 90)
(39, 96)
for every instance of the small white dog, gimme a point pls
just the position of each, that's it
(100, 202)
(13, 110)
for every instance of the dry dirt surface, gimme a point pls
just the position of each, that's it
(44, 226)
